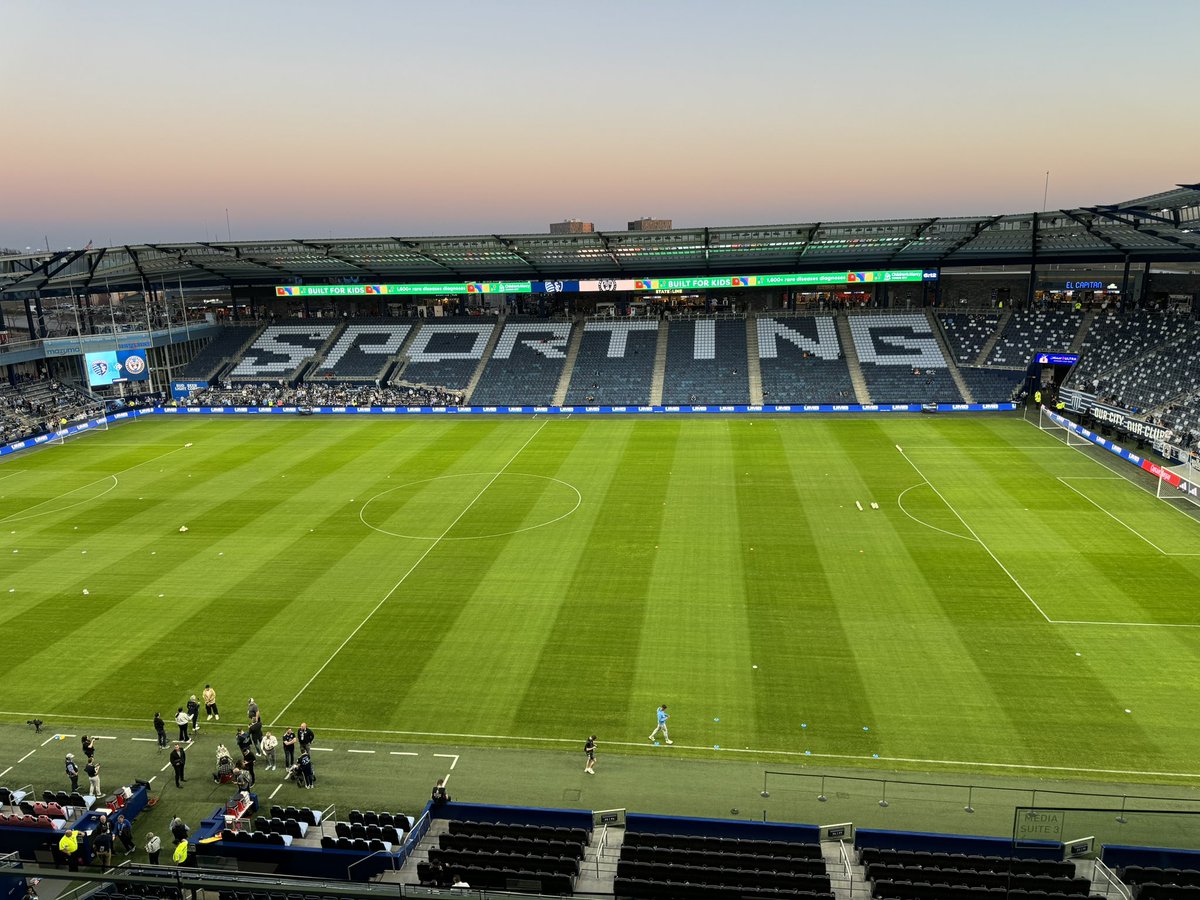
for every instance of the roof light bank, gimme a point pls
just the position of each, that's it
(605, 285)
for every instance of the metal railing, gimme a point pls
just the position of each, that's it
(1101, 872)
(846, 865)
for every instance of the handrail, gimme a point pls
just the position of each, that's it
(600, 848)
(846, 865)
(1111, 879)
(350, 868)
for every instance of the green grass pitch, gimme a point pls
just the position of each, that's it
(527, 582)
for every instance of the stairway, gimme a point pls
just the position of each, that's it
(845, 885)
(1080, 336)
(493, 339)
(861, 394)
(753, 361)
(564, 381)
(660, 366)
(936, 325)
(599, 867)
(990, 343)
(401, 357)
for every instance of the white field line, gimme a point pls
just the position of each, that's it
(986, 548)
(360, 751)
(26, 756)
(320, 749)
(756, 751)
(1066, 481)
(900, 503)
(451, 756)
(404, 577)
(146, 740)
(53, 737)
(21, 517)
(276, 791)
(152, 778)
(113, 476)
(109, 737)
(9, 475)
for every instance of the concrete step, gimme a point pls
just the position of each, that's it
(990, 343)
(493, 339)
(861, 394)
(753, 361)
(564, 381)
(944, 346)
(660, 366)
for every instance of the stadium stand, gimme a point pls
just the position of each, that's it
(615, 364)
(363, 351)
(36, 406)
(967, 333)
(445, 354)
(1114, 339)
(1168, 373)
(499, 856)
(1163, 883)
(901, 360)
(280, 351)
(991, 385)
(934, 875)
(706, 362)
(206, 364)
(526, 364)
(801, 360)
(1032, 330)
(653, 866)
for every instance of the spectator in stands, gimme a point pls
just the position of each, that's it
(459, 881)
(179, 764)
(183, 721)
(305, 737)
(269, 743)
(210, 703)
(289, 748)
(92, 771)
(72, 769)
(160, 729)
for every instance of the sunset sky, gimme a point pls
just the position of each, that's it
(129, 122)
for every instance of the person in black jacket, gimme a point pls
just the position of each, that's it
(193, 710)
(305, 737)
(160, 729)
(179, 763)
(72, 769)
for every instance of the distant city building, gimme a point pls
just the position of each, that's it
(572, 226)
(650, 225)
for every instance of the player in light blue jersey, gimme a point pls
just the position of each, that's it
(662, 725)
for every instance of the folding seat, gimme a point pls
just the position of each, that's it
(259, 837)
(342, 829)
(370, 818)
(47, 796)
(359, 844)
(276, 838)
(328, 842)
(358, 830)
(227, 834)
(385, 818)
(306, 815)
(62, 798)
(373, 832)
(375, 845)
(344, 843)
(292, 827)
(277, 812)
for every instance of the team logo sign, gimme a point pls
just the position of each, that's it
(135, 365)
(608, 284)
(99, 368)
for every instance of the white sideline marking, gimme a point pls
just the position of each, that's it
(146, 740)
(53, 737)
(276, 791)
(1066, 481)
(113, 476)
(404, 577)
(360, 751)
(320, 749)
(5, 772)
(9, 475)
(453, 756)
(26, 756)
(152, 777)
(109, 737)
(986, 548)
(403, 753)
(900, 503)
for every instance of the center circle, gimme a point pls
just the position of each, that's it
(475, 502)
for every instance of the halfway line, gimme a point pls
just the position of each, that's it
(411, 569)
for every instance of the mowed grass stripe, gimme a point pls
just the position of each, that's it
(404, 634)
(584, 681)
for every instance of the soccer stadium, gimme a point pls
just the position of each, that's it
(855, 558)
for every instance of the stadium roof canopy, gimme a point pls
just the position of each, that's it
(1160, 228)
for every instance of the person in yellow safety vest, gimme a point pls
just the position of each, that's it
(69, 843)
(1060, 406)
(181, 853)
(1037, 397)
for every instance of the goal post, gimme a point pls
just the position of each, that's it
(1180, 483)
(1054, 425)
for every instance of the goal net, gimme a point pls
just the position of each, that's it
(1046, 422)
(1180, 483)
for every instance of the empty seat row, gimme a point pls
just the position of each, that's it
(645, 889)
(27, 821)
(723, 844)
(536, 832)
(370, 832)
(62, 798)
(456, 859)
(979, 862)
(370, 817)
(40, 808)
(977, 878)
(1140, 874)
(252, 837)
(1152, 890)
(728, 860)
(294, 827)
(302, 814)
(507, 879)
(721, 876)
(328, 842)
(923, 890)
(492, 843)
